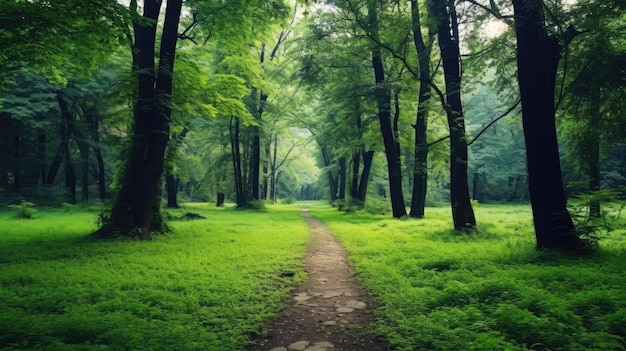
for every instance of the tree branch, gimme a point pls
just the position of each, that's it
(506, 113)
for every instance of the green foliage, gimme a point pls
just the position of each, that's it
(437, 290)
(254, 205)
(25, 210)
(288, 200)
(206, 286)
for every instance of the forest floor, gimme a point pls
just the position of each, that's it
(330, 311)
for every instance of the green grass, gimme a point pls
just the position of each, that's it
(439, 290)
(206, 286)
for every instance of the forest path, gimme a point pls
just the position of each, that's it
(329, 311)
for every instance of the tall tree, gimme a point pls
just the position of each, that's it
(448, 33)
(538, 55)
(136, 210)
(383, 101)
(420, 156)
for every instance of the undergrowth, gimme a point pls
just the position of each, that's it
(489, 290)
(206, 286)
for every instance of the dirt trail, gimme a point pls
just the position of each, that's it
(329, 311)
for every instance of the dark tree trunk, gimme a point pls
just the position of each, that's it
(332, 184)
(171, 182)
(266, 169)
(172, 185)
(94, 122)
(383, 102)
(41, 155)
(594, 177)
(220, 199)
(83, 148)
(420, 161)
(240, 192)
(356, 167)
(64, 134)
(368, 157)
(17, 167)
(537, 61)
(5, 122)
(447, 28)
(137, 207)
(342, 178)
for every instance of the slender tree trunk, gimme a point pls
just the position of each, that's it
(368, 157)
(447, 28)
(420, 161)
(537, 61)
(594, 177)
(236, 154)
(83, 148)
(17, 166)
(356, 167)
(383, 101)
(172, 186)
(41, 155)
(332, 184)
(64, 134)
(136, 210)
(342, 176)
(5, 122)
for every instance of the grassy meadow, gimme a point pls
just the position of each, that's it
(440, 290)
(212, 282)
(206, 286)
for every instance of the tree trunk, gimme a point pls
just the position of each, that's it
(5, 122)
(64, 134)
(383, 102)
(240, 192)
(136, 210)
(172, 187)
(17, 167)
(41, 155)
(420, 161)
(356, 167)
(447, 28)
(537, 62)
(594, 177)
(84, 169)
(342, 178)
(368, 157)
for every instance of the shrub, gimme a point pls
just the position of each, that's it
(25, 210)
(288, 200)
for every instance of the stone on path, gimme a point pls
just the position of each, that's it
(278, 349)
(298, 345)
(356, 304)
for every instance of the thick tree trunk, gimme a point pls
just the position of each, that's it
(136, 210)
(420, 161)
(383, 102)
(447, 28)
(537, 61)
